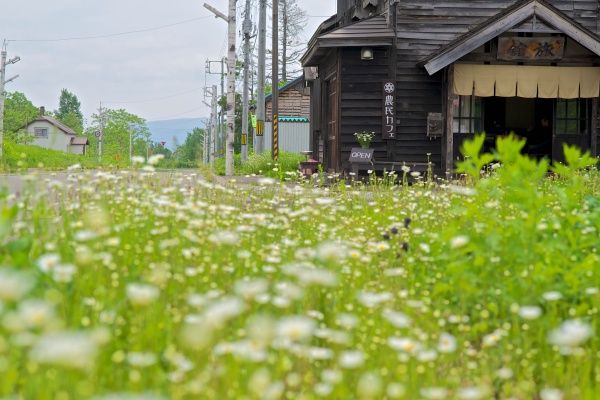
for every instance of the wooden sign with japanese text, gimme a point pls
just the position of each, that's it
(388, 105)
(531, 48)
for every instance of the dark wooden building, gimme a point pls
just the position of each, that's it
(456, 68)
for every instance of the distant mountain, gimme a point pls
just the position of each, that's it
(167, 130)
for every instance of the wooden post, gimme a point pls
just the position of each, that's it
(449, 153)
(595, 131)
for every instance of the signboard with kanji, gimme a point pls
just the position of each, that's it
(531, 48)
(388, 108)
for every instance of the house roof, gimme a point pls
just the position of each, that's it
(59, 125)
(504, 21)
(80, 140)
(373, 31)
(285, 87)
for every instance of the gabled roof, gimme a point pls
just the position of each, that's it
(373, 31)
(285, 87)
(79, 140)
(504, 21)
(61, 126)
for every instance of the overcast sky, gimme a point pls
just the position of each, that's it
(123, 71)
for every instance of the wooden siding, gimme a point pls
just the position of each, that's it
(361, 100)
(292, 103)
(318, 117)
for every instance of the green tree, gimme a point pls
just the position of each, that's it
(192, 149)
(118, 126)
(18, 111)
(158, 148)
(69, 111)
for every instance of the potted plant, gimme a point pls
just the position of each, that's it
(364, 138)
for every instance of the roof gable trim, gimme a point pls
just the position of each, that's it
(517, 15)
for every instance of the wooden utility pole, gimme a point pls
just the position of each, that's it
(247, 26)
(231, 26)
(275, 81)
(260, 95)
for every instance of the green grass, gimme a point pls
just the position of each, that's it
(263, 164)
(20, 157)
(116, 284)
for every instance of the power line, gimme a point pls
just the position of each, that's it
(111, 35)
(158, 98)
(175, 115)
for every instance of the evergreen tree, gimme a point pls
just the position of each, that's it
(69, 111)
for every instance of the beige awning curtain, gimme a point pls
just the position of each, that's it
(526, 81)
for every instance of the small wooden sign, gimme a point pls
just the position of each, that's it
(388, 106)
(532, 48)
(360, 155)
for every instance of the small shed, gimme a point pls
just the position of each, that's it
(294, 100)
(78, 145)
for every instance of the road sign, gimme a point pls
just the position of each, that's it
(163, 143)
(97, 133)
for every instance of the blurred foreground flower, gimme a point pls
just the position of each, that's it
(68, 349)
(571, 333)
(14, 284)
(141, 294)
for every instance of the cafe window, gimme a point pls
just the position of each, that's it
(467, 113)
(572, 116)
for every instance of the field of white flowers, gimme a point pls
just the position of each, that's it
(115, 285)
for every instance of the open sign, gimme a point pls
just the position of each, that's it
(360, 155)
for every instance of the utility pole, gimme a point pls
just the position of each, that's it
(275, 81)
(220, 132)
(214, 124)
(223, 108)
(210, 139)
(260, 96)
(4, 81)
(247, 26)
(231, 26)
(131, 129)
(101, 139)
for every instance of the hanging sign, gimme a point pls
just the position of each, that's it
(388, 105)
(532, 48)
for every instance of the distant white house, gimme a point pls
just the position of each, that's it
(51, 134)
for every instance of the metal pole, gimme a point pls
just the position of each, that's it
(2, 78)
(247, 28)
(223, 128)
(101, 138)
(275, 81)
(130, 145)
(214, 126)
(3, 82)
(260, 96)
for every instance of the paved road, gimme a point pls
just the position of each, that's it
(16, 182)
